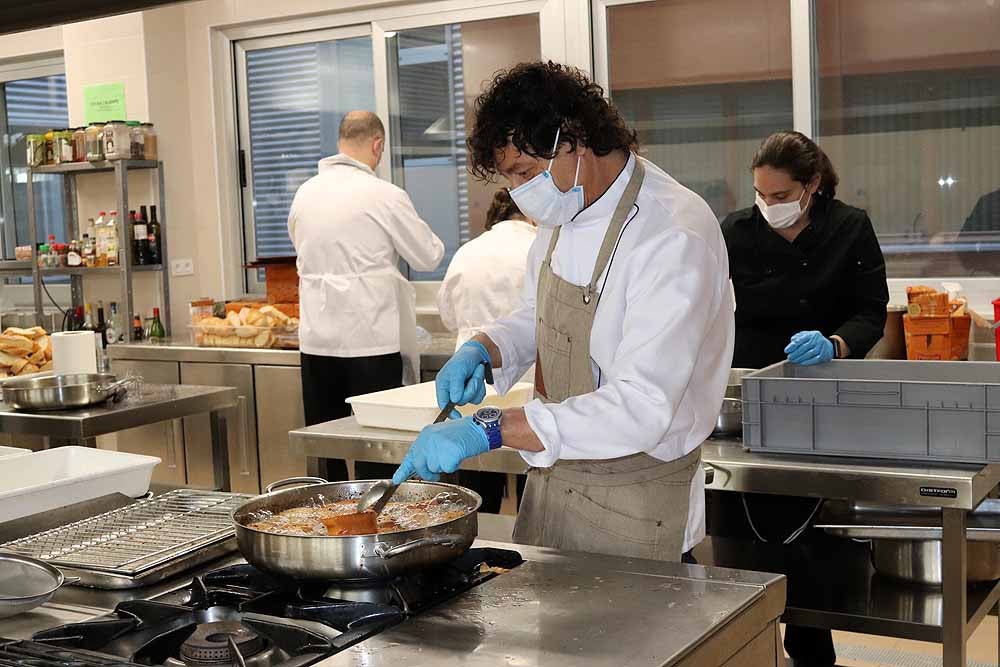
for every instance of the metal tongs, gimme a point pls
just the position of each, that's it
(377, 497)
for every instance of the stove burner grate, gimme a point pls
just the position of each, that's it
(213, 643)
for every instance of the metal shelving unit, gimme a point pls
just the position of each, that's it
(125, 269)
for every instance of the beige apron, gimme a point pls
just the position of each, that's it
(633, 506)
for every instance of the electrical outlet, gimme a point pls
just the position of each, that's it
(182, 267)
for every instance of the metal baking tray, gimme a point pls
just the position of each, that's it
(140, 543)
(873, 522)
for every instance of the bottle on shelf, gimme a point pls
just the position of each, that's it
(137, 332)
(113, 329)
(155, 248)
(98, 237)
(156, 330)
(140, 239)
(103, 364)
(88, 319)
(111, 240)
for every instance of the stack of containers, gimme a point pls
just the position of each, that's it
(936, 325)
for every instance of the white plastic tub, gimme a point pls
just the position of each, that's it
(414, 407)
(47, 480)
(13, 451)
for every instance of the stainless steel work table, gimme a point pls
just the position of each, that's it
(557, 608)
(947, 615)
(154, 403)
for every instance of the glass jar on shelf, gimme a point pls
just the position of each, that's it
(150, 142)
(117, 142)
(63, 146)
(50, 147)
(80, 144)
(137, 140)
(95, 142)
(35, 145)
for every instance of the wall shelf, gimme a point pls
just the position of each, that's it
(125, 269)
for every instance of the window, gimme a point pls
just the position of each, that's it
(27, 106)
(435, 75)
(909, 113)
(703, 83)
(293, 98)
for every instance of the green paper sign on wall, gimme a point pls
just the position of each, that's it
(103, 102)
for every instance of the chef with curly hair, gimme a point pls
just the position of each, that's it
(627, 312)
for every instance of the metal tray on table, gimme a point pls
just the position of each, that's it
(140, 543)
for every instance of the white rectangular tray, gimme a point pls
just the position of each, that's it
(13, 451)
(42, 481)
(414, 407)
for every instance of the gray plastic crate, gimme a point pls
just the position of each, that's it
(911, 410)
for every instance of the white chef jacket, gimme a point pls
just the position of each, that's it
(350, 228)
(662, 341)
(484, 279)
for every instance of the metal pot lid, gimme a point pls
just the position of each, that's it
(24, 577)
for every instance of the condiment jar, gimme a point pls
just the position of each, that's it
(50, 155)
(35, 145)
(117, 143)
(151, 141)
(95, 142)
(79, 145)
(137, 140)
(63, 146)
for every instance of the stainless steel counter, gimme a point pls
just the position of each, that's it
(556, 608)
(956, 489)
(157, 403)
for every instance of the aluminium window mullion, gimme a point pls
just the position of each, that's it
(8, 228)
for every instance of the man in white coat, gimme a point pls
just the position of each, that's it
(357, 331)
(627, 312)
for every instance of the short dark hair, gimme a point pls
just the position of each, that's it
(801, 157)
(359, 125)
(526, 104)
(501, 208)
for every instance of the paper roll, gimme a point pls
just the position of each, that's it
(74, 352)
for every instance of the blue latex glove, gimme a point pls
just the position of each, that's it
(442, 448)
(463, 379)
(808, 348)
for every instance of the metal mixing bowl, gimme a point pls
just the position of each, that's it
(730, 419)
(920, 561)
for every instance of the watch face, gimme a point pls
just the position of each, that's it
(488, 414)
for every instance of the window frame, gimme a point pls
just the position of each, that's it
(565, 34)
(16, 71)
(21, 295)
(252, 282)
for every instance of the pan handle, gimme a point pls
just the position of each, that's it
(69, 581)
(384, 551)
(301, 481)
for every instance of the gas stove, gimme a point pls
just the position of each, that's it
(242, 617)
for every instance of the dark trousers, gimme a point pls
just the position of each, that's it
(328, 381)
(775, 518)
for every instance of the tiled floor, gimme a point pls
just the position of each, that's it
(855, 650)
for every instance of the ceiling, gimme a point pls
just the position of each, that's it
(18, 15)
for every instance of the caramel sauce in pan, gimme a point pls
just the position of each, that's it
(338, 518)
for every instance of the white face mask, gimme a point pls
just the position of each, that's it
(780, 216)
(546, 204)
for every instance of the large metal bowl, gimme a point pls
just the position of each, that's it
(730, 419)
(353, 557)
(61, 392)
(920, 561)
(26, 583)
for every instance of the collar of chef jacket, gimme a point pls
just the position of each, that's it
(602, 209)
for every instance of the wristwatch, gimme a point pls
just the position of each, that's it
(489, 419)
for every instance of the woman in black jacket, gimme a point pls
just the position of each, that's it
(810, 287)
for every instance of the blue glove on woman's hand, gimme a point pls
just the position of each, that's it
(442, 448)
(463, 379)
(808, 348)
